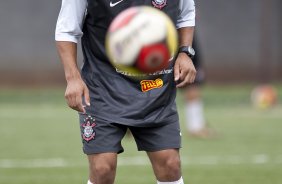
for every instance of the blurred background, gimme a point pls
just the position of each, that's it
(240, 43)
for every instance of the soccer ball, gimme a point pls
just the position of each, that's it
(141, 40)
(264, 97)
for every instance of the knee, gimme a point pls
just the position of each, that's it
(102, 170)
(169, 167)
(173, 165)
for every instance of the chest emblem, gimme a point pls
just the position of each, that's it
(147, 85)
(160, 4)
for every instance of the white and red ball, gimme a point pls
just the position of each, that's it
(141, 40)
(264, 96)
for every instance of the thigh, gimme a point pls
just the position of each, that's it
(157, 138)
(100, 136)
(102, 160)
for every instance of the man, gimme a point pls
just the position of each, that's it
(109, 102)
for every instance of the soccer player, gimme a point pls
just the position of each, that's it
(194, 108)
(109, 102)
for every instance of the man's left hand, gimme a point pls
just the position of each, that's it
(184, 70)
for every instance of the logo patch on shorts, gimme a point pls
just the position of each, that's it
(160, 4)
(88, 129)
(147, 85)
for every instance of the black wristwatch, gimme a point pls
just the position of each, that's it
(187, 50)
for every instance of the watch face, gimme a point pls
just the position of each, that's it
(188, 50)
(191, 51)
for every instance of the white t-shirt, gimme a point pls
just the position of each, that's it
(70, 20)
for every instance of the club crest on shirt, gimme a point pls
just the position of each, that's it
(147, 85)
(160, 4)
(88, 132)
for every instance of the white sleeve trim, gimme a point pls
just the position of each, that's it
(67, 38)
(185, 24)
(187, 14)
(70, 20)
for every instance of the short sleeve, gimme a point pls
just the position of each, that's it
(70, 20)
(187, 14)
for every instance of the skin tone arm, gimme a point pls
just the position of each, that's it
(76, 88)
(184, 70)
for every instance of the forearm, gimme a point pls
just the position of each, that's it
(76, 88)
(184, 70)
(68, 55)
(186, 35)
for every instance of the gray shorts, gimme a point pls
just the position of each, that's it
(102, 136)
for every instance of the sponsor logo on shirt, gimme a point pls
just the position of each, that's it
(162, 72)
(114, 4)
(147, 85)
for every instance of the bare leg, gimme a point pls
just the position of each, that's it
(102, 168)
(166, 165)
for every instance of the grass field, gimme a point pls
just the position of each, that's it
(40, 142)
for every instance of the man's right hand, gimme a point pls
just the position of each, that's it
(76, 90)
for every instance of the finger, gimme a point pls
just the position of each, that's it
(193, 77)
(184, 82)
(70, 101)
(189, 77)
(176, 71)
(79, 106)
(86, 96)
(183, 75)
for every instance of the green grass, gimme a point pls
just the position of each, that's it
(36, 124)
